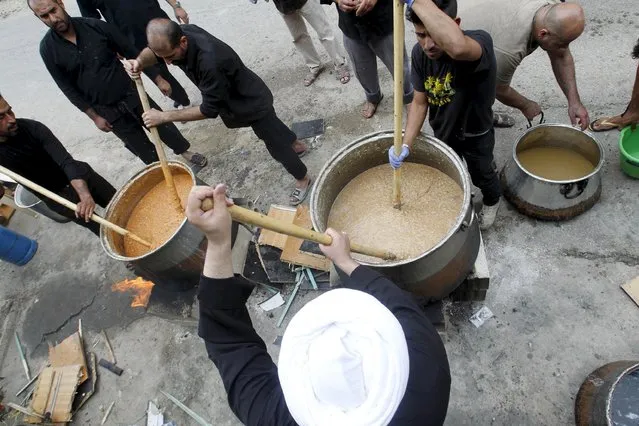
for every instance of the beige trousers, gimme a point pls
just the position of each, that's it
(313, 13)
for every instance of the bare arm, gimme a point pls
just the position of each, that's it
(154, 118)
(416, 117)
(180, 13)
(86, 206)
(563, 65)
(446, 32)
(146, 58)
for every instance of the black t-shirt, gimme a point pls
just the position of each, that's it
(36, 154)
(460, 93)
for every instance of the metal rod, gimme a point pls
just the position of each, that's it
(22, 357)
(289, 302)
(25, 387)
(106, 415)
(109, 347)
(187, 410)
(311, 278)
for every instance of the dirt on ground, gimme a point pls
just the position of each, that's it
(10, 7)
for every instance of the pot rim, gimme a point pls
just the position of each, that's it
(110, 251)
(452, 156)
(611, 392)
(596, 170)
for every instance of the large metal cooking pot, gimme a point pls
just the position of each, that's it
(550, 199)
(179, 261)
(440, 270)
(606, 399)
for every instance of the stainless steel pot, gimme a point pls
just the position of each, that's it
(440, 270)
(549, 199)
(179, 261)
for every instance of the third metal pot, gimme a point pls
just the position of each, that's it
(552, 199)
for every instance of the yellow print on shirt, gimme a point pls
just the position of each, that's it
(439, 90)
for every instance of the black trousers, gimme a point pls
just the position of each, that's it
(101, 191)
(478, 153)
(126, 119)
(178, 94)
(278, 139)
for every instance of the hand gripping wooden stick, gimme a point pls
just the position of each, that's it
(250, 217)
(398, 97)
(159, 148)
(66, 203)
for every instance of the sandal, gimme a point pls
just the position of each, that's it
(370, 108)
(503, 120)
(198, 160)
(312, 75)
(603, 125)
(343, 73)
(299, 194)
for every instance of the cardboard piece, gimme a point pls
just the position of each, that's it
(632, 289)
(273, 239)
(54, 393)
(292, 253)
(70, 352)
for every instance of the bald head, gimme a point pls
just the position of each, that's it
(567, 20)
(166, 39)
(52, 13)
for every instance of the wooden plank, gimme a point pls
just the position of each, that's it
(55, 392)
(274, 239)
(632, 289)
(6, 212)
(69, 352)
(292, 253)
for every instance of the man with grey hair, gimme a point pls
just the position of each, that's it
(518, 28)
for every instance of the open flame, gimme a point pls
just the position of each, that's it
(141, 289)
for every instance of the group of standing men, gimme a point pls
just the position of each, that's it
(83, 55)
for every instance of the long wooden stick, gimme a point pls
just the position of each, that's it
(398, 56)
(159, 147)
(250, 217)
(68, 204)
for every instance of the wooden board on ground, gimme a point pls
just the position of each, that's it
(69, 352)
(632, 289)
(6, 211)
(274, 239)
(54, 393)
(292, 253)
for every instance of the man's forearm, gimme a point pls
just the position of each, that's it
(187, 114)
(91, 113)
(81, 188)
(443, 30)
(510, 97)
(146, 58)
(563, 66)
(218, 262)
(414, 122)
(172, 3)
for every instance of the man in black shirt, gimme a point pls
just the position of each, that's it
(362, 354)
(81, 55)
(28, 148)
(229, 89)
(454, 75)
(131, 18)
(368, 34)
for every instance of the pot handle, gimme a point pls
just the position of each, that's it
(566, 189)
(541, 121)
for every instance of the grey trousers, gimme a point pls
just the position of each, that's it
(364, 61)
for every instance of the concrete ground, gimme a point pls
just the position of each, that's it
(559, 311)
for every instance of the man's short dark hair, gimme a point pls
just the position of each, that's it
(165, 28)
(174, 33)
(635, 51)
(449, 7)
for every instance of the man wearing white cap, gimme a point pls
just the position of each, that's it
(361, 355)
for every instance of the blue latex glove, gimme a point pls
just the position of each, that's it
(408, 3)
(397, 160)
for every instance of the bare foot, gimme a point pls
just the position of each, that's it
(369, 109)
